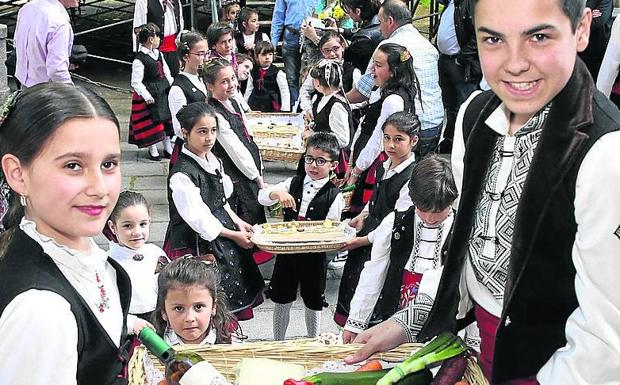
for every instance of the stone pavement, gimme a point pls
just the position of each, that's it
(149, 178)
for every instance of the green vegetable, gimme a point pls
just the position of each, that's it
(367, 378)
(347, 188)
(444, 346)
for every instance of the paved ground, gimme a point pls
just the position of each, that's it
(148, 177)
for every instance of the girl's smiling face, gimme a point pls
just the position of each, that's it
(132, 226)
(381, 69)
(225, 85)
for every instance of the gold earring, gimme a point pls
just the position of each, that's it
(23, 201)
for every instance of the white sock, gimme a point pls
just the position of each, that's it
(153, 150)
(167, 145)
(281, 316)
(313, 322)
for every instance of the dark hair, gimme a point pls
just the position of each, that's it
(216, 31)
(331, 34)
(191, 113)
(186, 41)
(211, 69)
(403, 73)
(405, 122)
(33, 116)
(128, 199)
(398, 10)
(328, 73)
(573, 9)
(190, 271)
(432, 186)
(263, 46)
(147, 30)
(326, 142)
(368, 8)
(246, 13)
(241, 57)
(226, 5)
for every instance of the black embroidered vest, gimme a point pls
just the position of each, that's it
(155, 14)
(25, 266)
(239, 40)
(536, 308)
(191, 92)
(266, 90)
(179, 233)
(237, 125)
(318, 207)
(384, 197)
(321, 118)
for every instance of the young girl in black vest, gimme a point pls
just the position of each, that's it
(150, 79)
(230, 13)
(267, 89)
(222, 43)
(201, 220)
(401, 131)
(235, 145)
(398, 86)
(408, 254)
(331, 110)
(332, 46)
(63, 303)
(249, 33)
(188, 86)
(310, 195)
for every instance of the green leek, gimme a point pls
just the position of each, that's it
(444, 346)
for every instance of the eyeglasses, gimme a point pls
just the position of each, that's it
(334, 49)
(201, 55)
(319, 161)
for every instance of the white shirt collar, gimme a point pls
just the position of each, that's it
(400, 167)
(499, 120)
(209, 165)
(122, 253)
(317, 184)
(81, 263)
(173, 339)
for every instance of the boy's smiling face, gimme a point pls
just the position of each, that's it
(527, 51)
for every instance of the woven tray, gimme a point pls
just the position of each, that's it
(308, 353)
(261, 122)
(302, 247)
(276, 154)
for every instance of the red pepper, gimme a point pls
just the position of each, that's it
(290, 381)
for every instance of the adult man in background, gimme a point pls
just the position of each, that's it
(288, 15)
(395, 24)
(459, 65)
(43, 41)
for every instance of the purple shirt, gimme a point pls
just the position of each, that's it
(43, 41)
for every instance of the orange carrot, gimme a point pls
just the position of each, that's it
(370, 366)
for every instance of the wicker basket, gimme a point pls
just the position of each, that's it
(278, 154)
(303, 247)
(308, 353)
(261, 124)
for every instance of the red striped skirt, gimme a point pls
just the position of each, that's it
(143, 131)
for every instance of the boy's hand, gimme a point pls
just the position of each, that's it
(285, 199)
(355, 243)
(380, 338)
(140, 324)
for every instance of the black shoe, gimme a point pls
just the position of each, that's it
(167, 154)
(154, 158)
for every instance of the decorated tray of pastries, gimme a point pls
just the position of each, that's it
(276, 124)
(304, 236)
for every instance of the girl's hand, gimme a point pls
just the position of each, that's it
(260, 182)
(348, 336)
(307, 133)
(358, 221)
(339, 182)
(285, 199)
(249, 46)
(308, 116)
(380, 338)
(353, 175)
(140, 324)
(242, 239)
(309, 32)
(355, 243)
(243, 225)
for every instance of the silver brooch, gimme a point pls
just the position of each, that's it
(397, 236)
(138, 257)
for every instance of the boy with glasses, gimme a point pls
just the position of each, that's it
(309, 195)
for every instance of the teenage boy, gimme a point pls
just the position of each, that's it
(536, 238)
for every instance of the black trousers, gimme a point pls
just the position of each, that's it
(454, 91)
